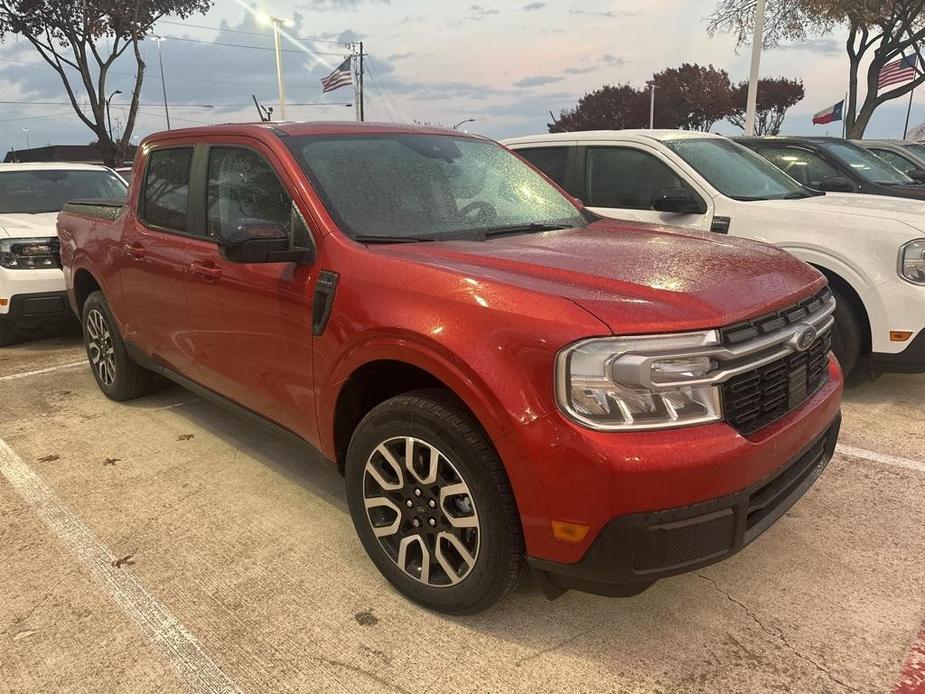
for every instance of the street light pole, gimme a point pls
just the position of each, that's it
(158, 40)
(467, 120)
(757, 44)
(651, 106)
(26, 131)
(277, 22)
(108, 118)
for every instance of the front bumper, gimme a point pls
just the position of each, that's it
(910, 361)
(633, 551)
(34, 310)
(15, 285)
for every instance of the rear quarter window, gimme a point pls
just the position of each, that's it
(165, 197)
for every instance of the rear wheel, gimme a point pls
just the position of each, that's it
(117, 375)
(432, 504)
(8, 333)
(848, 336)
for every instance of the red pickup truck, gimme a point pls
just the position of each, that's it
(500, 375)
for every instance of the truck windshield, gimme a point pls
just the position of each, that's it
(389, 187)
(32, 192)
(868, 165)
(736, 171)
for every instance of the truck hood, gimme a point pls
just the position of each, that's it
(23, 225)
(635, 278)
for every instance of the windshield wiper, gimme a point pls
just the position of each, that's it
(524, 229)
(373, 238)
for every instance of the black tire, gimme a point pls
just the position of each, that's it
(437, 420)
(8, 333)
(119, 377)
(848, 335)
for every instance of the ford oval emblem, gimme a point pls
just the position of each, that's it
(803, 338)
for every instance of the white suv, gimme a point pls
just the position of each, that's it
(871, 248)
(32, 292)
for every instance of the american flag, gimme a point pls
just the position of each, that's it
(340, 77)
(900, 70)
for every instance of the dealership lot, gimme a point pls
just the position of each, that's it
(166, 545)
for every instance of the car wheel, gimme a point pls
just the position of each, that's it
(847, 337)
(8, 333)
(117, 375)
(432, 504)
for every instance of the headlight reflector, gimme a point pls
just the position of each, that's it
(29, 254)
(912, 261)
(612, 384)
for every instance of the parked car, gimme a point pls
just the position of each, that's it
(125, 172)
(870, 248)
(496, 371)
(834, 165)
(32, 294)
(906, 156)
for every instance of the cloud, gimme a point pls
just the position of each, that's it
(333, 5)
(345, 36)
(608, 59)
(610, 14)
(483, 11)
(580, 70)
(820, 45)
(398, 56)
(533, 6)
(537, 81)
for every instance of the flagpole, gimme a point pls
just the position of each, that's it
(844, 118)
(908, 112)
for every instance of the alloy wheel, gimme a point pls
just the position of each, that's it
(422, 511)
(100, 347)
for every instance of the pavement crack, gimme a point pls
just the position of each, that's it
(41, 601)
(556, 646)
(778, 634)
(366, 673)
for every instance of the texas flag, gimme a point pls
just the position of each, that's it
(830, 114)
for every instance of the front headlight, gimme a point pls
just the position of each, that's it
(29, 254)
(633, 383)
(912, 261)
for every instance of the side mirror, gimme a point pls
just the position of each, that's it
(916, 175)
(260, 241)
(835, 184)
(676, 201)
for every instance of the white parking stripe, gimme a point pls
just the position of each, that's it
(50, 369)
(181, 649)
(883, 458)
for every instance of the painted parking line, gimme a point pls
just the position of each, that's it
(50, 369)
(178, 645)
(912, 676)
(883, 458)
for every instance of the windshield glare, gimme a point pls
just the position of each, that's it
(32, 192)
(429, 186)
(868, 165)
(736, 171)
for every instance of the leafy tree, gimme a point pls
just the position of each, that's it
(693, 97)
(82, 39)
(775, 96)
(608, 108)
(879, 31)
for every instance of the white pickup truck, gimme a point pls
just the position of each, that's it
(32, 294)
(871, 248)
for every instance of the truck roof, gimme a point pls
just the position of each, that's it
(298, 128)
(49, 166)
(617, 135)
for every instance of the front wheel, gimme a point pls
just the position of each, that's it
(847, 337)
(117, 375)
(432, 504)
(8, 333)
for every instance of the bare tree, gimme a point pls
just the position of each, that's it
(881, 31)
(81, 39)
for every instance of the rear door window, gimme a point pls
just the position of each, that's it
(897, 161)
(551, 161)
(165, 197)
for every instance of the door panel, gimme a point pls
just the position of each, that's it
(155, 262)
(250, 324)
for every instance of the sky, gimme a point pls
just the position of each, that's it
(505, 63)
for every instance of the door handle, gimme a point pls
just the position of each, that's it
(136, 250)
(206, 271)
